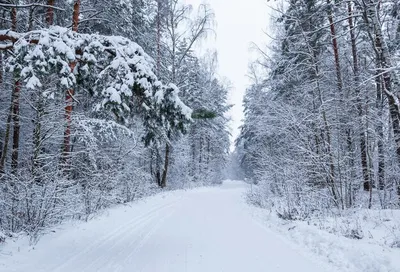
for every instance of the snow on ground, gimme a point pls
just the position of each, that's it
(355, 241)
(208, 229)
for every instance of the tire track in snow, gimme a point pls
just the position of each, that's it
(140, 232)
(116, 240)
(139, 243)
(120, 231)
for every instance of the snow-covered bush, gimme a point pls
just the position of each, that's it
(2, 237)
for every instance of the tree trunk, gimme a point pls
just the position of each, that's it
(37, 131)
(50, 12)
(75, 15)
(339, 80)
(15, 146)
(155, 164)
(335, 47)
(349, 185)
(381, 155)
(157, 171)
(166, 164)
(166, 161)
(1, 68)
(363, 142)
(15, 106)
(68, 119)
(37, 136)
(193, 149)
(6, 136)
(330, 179)
(158, 37)
(70, 93)
(1, 83)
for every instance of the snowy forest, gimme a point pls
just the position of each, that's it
(122, 148)
(104, 102)
(322, 116)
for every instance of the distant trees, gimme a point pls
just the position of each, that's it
(82, 110)
(322, 126)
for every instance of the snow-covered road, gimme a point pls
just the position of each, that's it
(203, 230)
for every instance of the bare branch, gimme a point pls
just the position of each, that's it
(30, 6)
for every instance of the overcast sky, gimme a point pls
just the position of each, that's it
(238, 24)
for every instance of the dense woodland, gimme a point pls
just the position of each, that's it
(322, 117)
(103, 102)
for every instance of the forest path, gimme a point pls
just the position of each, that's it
(203, 230)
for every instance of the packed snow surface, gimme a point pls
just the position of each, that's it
(209, 229)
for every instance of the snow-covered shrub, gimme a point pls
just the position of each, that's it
(2, 237)
(105, 164)
(395, 236)
(36, 205)
(352, 230)
(260, 196)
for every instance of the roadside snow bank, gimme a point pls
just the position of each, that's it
(356, 241)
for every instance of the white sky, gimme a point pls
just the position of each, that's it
(238, 24)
